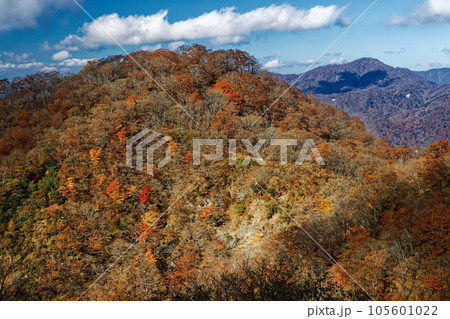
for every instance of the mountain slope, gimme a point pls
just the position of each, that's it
(438, 76)
(78, 222)
(392, 102)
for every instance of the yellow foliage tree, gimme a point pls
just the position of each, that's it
(95, 155)
(325, 206)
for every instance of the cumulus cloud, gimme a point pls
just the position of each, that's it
(399, 20)
(344, 21)
(152, 47)
(16, 57)
(29, 65)
(276, 63)
(235, 39)
(175, 45)
(13, 60)
(74, 62)
(7, 65)
(273, 64)
(21, 57)
(48, 69)
(337, 61)
(223, 26)
(306, 62)
(61, 55)
(26, 64)
(22, 14)
(432, 11)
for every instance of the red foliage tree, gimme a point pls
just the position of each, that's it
(144, 196)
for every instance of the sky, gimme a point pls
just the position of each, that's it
(285, 36)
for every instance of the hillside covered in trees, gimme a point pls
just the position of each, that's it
(396, 103)
(70, 207)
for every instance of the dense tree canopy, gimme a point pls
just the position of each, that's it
(70, 206)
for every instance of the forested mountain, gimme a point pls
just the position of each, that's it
(70, 206)
(438, 76)
(392, 102)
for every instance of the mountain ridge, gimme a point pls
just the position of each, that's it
(380, 95)
(71, 204)
(438, 76)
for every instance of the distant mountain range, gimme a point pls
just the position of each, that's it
(405, 106)
(438, 76)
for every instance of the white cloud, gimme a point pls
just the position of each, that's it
(47, 47)
(431, 11)
(48, 69)
(13, 57)
(7, 65)
(74, 62)
(22, 14)
(306, 62)
(35, 66)
(274, 64)
(398, 20)
(175, 45)
(344, 21)
(12, 60)
(337, 61)
(152, 47)
(235, 39)
(219, 26)
(61, 55)
(21, 57)
(30, 65)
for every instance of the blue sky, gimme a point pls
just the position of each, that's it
(44, 35)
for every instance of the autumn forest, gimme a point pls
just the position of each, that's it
(77, 223)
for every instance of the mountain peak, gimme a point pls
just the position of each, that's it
(361, 66)
(367, 61)
(392, 102)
